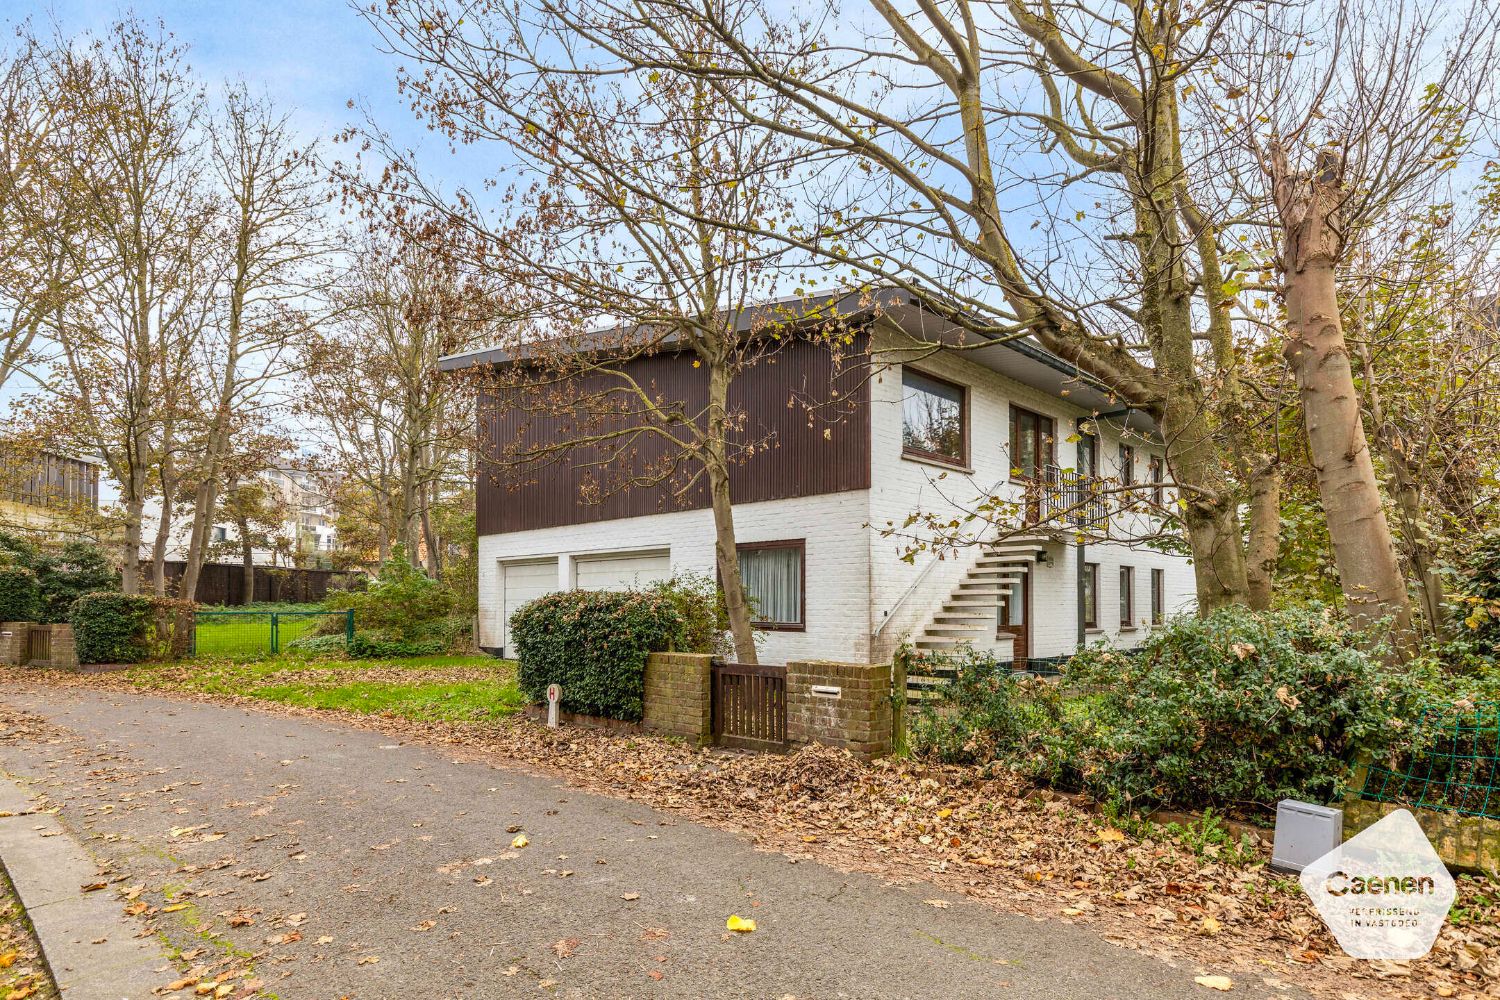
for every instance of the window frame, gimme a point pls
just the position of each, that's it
(1041, 461)
(1088, 443)
(1127, 597)
(800, 544)
(1158, 596)
(1155, 474)
(1127, 464)
(1091, 590)
(922, 454)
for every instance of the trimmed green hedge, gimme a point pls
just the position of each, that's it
(595, 644)
(20, 595)
(113, 628)
(130, 628)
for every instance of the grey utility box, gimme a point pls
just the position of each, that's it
(1304, 833)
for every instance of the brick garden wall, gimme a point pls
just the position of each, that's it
(856, 717)
(678, 695)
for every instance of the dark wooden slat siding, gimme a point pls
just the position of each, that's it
(800, 461)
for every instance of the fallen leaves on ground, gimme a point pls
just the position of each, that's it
(1222, 983)
(740, 924)
(983, 834)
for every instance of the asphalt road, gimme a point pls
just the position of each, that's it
(399, 854)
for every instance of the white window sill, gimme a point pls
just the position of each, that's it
(962, 470)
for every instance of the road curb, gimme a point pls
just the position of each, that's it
(88, 943)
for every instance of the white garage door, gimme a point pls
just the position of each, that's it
(621, 571)
(521, 582)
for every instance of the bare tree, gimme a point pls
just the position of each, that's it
(1351, 135)
(269, 241)
(637, 217)
(39, 265)
(394, 431)
(121, 387)
(935, 123)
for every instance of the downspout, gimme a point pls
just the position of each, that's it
(1079, 587)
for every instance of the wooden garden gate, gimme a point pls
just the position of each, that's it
(749, 706)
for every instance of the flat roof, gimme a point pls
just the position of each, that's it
(1019, 358)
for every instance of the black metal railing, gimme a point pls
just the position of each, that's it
(1065, 497)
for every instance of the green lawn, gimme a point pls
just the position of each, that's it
(249, 633)
(430, 688)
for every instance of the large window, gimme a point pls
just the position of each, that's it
(934, 418)
(1127, 597)
(1031, 443)
(775, 582)
(1090, 595)
(1158, 596)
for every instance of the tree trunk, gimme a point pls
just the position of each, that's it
(1319, 357)
(726, 551)
(205, 500)
(247, 558)
(1210, 512)
(1265, 532)
(130, 569)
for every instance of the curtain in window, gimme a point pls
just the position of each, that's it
(773, 581)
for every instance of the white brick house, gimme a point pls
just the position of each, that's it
(840, 588)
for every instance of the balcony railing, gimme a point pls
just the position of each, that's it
(1063, 497)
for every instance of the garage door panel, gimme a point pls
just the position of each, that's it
(520, 583)
(621, 571)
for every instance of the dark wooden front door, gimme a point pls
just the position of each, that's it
(1015, 620)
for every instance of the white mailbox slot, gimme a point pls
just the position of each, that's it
(827, 691)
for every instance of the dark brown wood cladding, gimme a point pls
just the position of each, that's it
(815, 442)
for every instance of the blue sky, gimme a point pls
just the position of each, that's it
(311, 56)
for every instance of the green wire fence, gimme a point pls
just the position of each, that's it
(1455, 768)
(247, 633)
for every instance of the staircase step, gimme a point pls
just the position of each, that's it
(962, 616)
(944, 631)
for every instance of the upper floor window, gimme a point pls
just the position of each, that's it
(774, 578)
(1088, 456)
(1127, 465)
(934, 418)
(1154, 472)
(1032, 447)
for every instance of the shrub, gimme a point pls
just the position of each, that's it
(371, 646)
(982, 713)
(700, 604)
(113, 628)
(594, 643)
(319, 645)
(130, 628)
(20, 595)
(1235, 709)
(402, 603)
(63, 574)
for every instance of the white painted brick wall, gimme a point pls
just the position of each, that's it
(838, 608)
(855, 577)
(900, 485)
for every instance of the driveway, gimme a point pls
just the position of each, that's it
(372, 870)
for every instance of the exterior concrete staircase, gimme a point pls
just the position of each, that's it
(969, 614)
